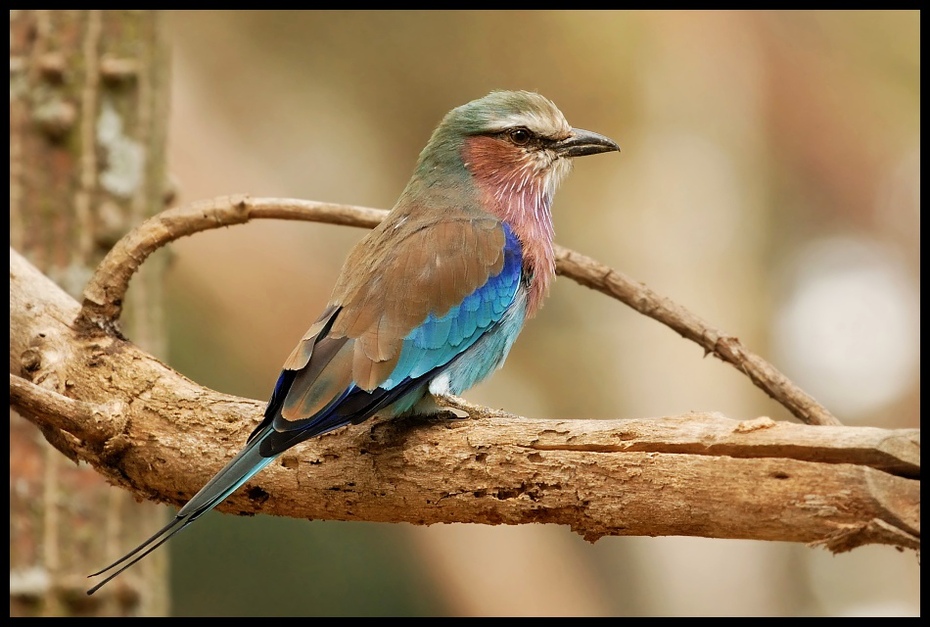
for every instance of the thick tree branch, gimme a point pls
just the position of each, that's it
(104, 294)
(162, 436)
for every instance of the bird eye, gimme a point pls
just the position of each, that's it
(520, 136)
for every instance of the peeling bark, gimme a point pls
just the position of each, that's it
(162, 436)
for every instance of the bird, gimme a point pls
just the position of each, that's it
(430, 301)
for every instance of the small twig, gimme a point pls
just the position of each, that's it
(728, 348)
(104, 294)
(106, 290)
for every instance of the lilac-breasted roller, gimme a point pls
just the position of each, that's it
(431, 300)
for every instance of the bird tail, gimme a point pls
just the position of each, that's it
(239, 470)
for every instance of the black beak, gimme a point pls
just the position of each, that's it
(582, 142)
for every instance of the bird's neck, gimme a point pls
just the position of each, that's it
(527, 212)
(520, 193)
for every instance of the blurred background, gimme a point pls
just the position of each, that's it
(769, 182)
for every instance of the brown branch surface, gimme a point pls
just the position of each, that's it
(697, 475)
(104, 294)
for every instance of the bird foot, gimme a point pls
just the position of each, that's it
(430, 407)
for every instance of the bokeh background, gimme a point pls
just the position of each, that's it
(769, 181)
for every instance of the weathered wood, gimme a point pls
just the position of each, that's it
(163, 436)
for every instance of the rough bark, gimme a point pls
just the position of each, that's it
(88, 118)
(161, 436)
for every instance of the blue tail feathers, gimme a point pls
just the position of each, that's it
(239, 470)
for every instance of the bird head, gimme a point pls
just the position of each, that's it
(511, 143)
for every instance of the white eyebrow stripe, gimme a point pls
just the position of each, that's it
(539, 124)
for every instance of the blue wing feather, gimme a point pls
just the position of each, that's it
(427, 350)
(440, 339)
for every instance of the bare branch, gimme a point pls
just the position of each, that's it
(106, 290)
(696, 475)
(104, 294)
(725, 347)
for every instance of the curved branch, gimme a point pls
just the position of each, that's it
(725, 347)
(104, 294)
(841, 487)
(106, 290)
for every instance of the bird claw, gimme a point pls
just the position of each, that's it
(430, 407)
(454, 413)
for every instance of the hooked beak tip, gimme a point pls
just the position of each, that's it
(582, 142)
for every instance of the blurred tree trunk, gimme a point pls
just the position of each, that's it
(88, 119)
